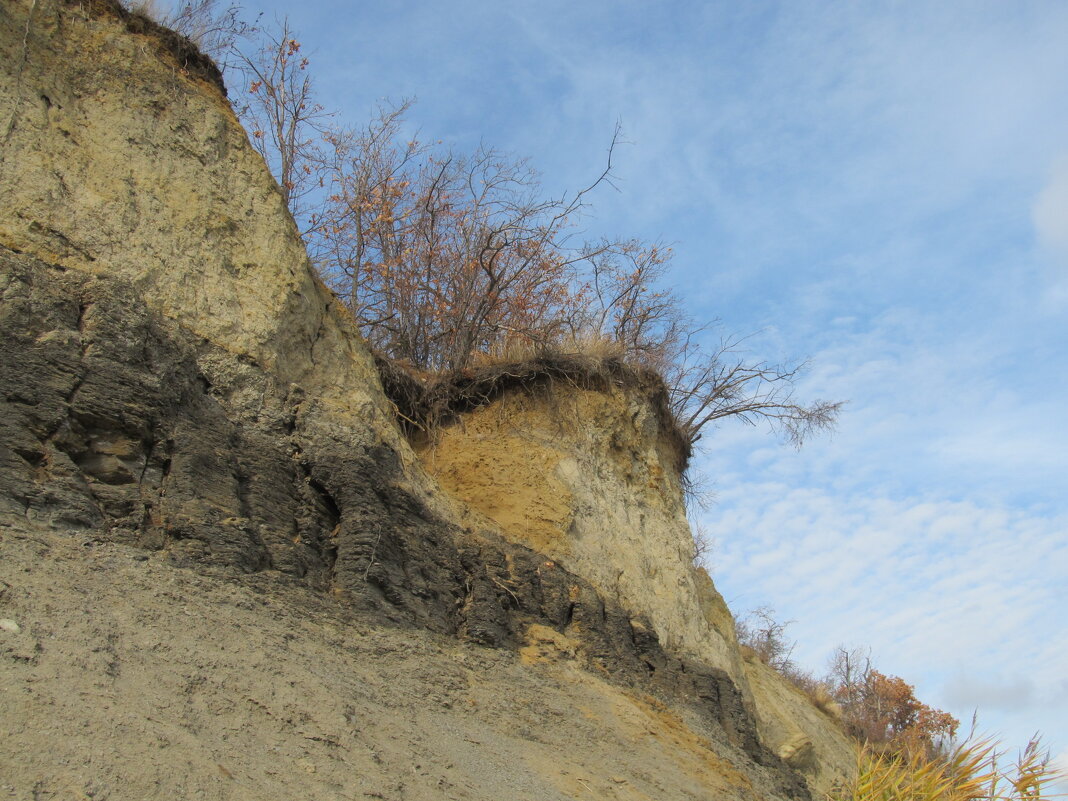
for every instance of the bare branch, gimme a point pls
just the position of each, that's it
(287, 126)
(441, 256)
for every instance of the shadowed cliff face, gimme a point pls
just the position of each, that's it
(174, 378)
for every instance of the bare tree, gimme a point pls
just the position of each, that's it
(624, 301)
(215, 28)
(442, 256)
(287, 125)
(760, 631)
(705, 385)
(356, 229)
(850, 670)
(703, 544)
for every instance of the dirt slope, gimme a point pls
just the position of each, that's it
(129, 678)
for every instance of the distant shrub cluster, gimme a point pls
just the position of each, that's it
(875, 708)
(907, 750)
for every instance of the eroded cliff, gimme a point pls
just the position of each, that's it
(583, 466)
(177, 384)
(588, 473)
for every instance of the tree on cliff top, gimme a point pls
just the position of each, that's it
(446, 258)
(287, 126)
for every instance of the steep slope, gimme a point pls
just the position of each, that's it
(178, 373)
(584, 471)
(175, 384)
(589, 477)
(806, 737)
(131, 679)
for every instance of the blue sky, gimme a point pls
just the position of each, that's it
(880, 187)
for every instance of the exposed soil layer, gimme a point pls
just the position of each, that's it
(428, 401)
(185, 53)
(109, 428)
(123, 677)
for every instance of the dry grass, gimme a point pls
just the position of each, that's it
(821, 698)
(517, 350)
(153, 9)
(974, 770)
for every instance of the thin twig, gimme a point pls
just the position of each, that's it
(371, 559)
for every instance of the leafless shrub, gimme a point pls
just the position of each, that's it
(446, 260)
(766, 636)
(214, 27)
(287, 126)
(703, 544)
(443, 256)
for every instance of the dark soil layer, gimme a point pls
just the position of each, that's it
(109, 428)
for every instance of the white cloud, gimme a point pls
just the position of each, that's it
(934, 409)
(958, 597)
(1050, 213)
(965, 691)
(1061, 763)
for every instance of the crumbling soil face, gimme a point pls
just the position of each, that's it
(187, 57)
(110, 431)
(426, 401)
(218, 548)
(586, 477)
(125, 677)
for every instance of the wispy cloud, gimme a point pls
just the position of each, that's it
(1050, 215)
(955, 596)
(969, 692)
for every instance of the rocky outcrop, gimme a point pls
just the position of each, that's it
(174, 379)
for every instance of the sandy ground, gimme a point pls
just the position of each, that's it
(124, 677)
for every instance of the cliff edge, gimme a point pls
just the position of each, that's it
(226, 570)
